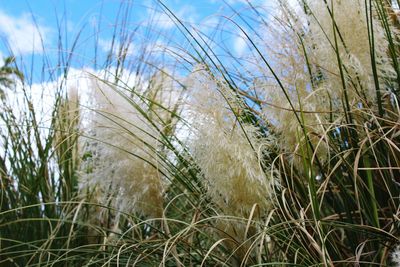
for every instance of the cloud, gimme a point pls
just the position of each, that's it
(239, 44)
(21, 33)
(230, 2)
(163, 20)
(209, 23)
(105, 45)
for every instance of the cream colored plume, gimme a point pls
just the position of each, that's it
(123, 147)
(228, 154)
(301, 50)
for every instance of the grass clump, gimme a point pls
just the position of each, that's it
(287, 155)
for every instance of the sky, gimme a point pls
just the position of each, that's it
(38, 31)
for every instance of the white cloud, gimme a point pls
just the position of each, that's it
(21, 33)
(43, 94)
(230, 2)
(164, 21)
(239, 44)
(106, 44)
(210, 23)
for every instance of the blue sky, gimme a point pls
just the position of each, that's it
(26, 25)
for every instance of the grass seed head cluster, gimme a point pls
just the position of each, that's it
(228, 152)
(123, 148)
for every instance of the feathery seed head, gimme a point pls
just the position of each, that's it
(307, 63)
(123, 149)
(395, 256)
(227, 153)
